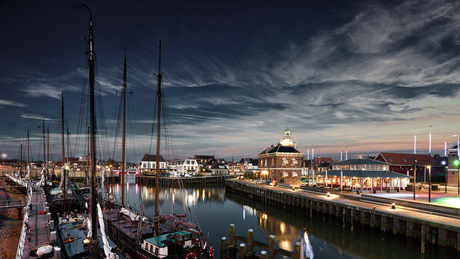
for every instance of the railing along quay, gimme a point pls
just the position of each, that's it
(429, 231)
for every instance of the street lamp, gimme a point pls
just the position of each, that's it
(429, 183)
(456, 163)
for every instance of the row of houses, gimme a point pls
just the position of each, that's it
(198, 164)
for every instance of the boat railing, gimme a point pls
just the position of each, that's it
(22, 237)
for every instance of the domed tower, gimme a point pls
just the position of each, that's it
(287, 141)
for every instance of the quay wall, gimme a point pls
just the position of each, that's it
(183, 181)
(428, 236)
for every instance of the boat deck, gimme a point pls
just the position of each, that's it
(125, 225)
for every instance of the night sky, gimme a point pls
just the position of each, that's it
(360, 76)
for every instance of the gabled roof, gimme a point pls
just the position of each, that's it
(360, 162)
(152, 158)
(406, 159)
(203, 157)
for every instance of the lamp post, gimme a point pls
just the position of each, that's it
(429, 183)
(457, 162)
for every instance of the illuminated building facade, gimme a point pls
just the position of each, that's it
(282, 162)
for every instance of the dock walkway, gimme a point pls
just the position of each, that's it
(36, 224)
(38, 233)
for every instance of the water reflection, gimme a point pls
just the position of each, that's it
(215, 209)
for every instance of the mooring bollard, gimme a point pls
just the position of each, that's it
(223, 247)
(250, 241)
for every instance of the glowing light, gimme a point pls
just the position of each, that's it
(449, 201)
(282, 227)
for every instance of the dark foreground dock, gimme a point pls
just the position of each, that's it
(36, 228)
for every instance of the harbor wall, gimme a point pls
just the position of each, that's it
(183, 181)
(428, 236)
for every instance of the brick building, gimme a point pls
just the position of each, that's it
(282, 162)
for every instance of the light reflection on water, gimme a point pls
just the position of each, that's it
(215, 209)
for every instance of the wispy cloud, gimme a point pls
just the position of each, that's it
(10, 103)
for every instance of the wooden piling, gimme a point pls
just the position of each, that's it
(223, 248)
(297, 250)
(242, 251)
(422, 239)
(250, 241)
(271, 247)
(231, 235)
(263, 255)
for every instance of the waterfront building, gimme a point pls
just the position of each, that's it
(181, 167)
(148, 163)
(218, 168)
(282, 162)
(203, 159)
(363, 175)
(405, 163)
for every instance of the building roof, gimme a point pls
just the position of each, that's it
(406, 159)
(360, 162)
(364, 174)
(203, 157)
(280, 149)
(153, 158)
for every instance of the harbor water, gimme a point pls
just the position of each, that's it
(215, 209)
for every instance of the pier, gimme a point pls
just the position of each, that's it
(37, 223)
(428, 225)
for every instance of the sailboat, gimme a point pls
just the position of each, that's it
(123, 224)
(168, 235)
(172, 233)
(77, 235)
(63, 198)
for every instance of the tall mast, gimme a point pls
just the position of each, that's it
(92, 134)
(123, 138)
(63, 170)
(20, 163)
(157, 161)
(48, 149)
(62, 129)
(28, 147)
(68, 145)
(44, 153)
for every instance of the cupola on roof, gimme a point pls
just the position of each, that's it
(287, 141)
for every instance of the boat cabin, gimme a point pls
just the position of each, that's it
(170, 243)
